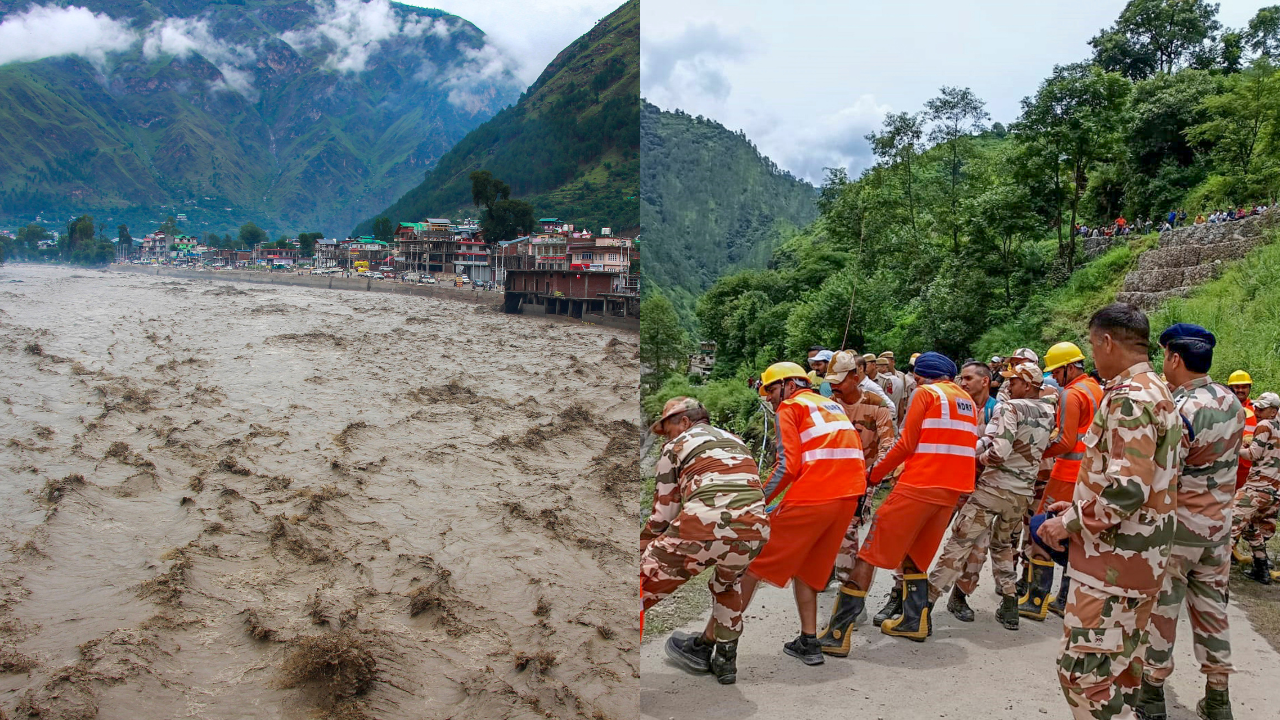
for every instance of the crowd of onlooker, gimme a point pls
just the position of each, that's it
(1175, 218)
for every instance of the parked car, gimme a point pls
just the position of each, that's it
(386, 269)
(375, 275)
(429, 280)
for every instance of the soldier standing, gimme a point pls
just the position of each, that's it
(708, 511)
(1120, 523)
(1010, 449)
(1258, 502)
(1199, 569)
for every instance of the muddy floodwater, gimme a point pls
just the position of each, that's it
(222, 500)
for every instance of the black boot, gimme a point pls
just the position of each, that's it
(835, 638)
(1260, 570)
(1034, 604)
(691, 652)
(1216, 704)
(806, 649)
(914, 621)
(1058, 606)
(891, 608)
(724, 662)
(1024, 581)
(1007, 613)
(957, 605)
(1150, 702)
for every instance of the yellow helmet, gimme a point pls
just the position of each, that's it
(1064, 353)
(782, 371)
(1239, 377)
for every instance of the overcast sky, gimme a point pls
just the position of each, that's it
(808, 80)
(532, 32)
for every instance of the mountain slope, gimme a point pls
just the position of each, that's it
(710, 204)
(276, 111)
(570, 146)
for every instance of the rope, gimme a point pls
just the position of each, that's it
(848, 321)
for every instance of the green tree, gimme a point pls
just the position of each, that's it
(1077, 114)
(1241, 120)
(384, 229)
(507, 220)
(123, 236)
(1156, 36)
(1263, 33)
(251, 235)
(307, 242)
(169, 227)
(898, 144)
(957, 114)
(664, 346)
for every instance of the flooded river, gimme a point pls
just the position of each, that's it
(228, 501)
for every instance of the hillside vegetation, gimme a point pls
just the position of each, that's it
(569, 146)
(237, 110)
(710, 204)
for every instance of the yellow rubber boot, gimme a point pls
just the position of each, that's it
(1035, 604)
(914, 621)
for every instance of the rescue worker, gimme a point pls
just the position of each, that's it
(708, 512)
(822, 471)
(1120, 524)
(936, 450)
(1241, 384)
(905, 382)
(891, 383)
(1065, 363)
(1010, 449)
(1199, 569)
(870, 415)
(1258, 501)
(818, 362)
(1020, 355)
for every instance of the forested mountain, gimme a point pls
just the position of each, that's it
(710, 203)
(569, 147)
(298, 115)
(960, 238)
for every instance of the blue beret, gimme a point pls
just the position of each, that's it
(934, 365)
(1058, 555)
(1187, 331)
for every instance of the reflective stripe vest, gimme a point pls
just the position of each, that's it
(831, 463)
(944, 455)
(1250, 424)
(1067, 465)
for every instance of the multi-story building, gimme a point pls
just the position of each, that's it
(598, 253)
(472, 254)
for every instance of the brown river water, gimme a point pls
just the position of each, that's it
(223, 500)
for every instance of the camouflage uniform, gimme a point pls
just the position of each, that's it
(1200, 565)
(1121, 527)
(874, 422)
(1258, 502)
(1011, 448)
(708, 511)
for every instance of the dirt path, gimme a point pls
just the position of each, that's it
(227, 500)
(966, 671)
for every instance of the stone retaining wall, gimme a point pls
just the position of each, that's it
(1190, 256)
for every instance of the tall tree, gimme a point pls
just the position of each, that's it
(899, 143)
(169, 227)
(123, 236)
(307, 242)
(1077, 114)
(504, 218)
(251, 235)
(1241, 119)
(1155, 36)
(384, 229)
(957, 114)
(1263, 33)
(664, 346)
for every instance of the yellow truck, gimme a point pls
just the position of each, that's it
(361, 266)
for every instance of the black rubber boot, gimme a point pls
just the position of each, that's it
(915, 619)
(891, 608)
(1035, 604)
(690, 652)
(1007, 613)
(1058, 606)
(724, 662)
(1150, 702)
(958, 605)
(1216, 704)
(1024, 581)
(835, 638)
(1260, 571)
(806, 649)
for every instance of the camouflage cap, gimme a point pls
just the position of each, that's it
(675, 406)
(1267, 400)
(1028, 371)
(1025, 354)
(843, 363)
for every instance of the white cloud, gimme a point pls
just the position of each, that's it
(182, 36)
(479, 70)
(357, 29)
(690, 63)
(48, 31)
(830, 140)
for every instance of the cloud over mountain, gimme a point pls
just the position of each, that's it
(49, 31)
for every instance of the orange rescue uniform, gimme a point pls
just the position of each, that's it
(1082, 398)
(1250, 424)
(936, 450)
